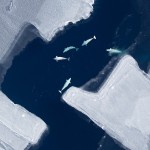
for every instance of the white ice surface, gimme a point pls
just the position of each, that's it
(18, 127)
(122, 105)
(48, 16)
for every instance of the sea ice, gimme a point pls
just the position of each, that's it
(47, 16)
(121, 106)
(18, 128)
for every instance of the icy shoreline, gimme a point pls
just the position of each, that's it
(19, 129)
(121, 106)
(83, 11)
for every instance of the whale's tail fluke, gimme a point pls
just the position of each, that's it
(94, 37)
(60, 91)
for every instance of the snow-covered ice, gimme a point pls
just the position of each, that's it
(121, 106)
(47, 16)
(18, 128)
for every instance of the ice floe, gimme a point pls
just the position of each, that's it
(121, 105)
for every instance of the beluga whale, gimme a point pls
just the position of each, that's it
(86, 42)
(65, 85)
(113, 51)
(70, 48)
(57, 58)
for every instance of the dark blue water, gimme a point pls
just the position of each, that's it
(34, 78)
